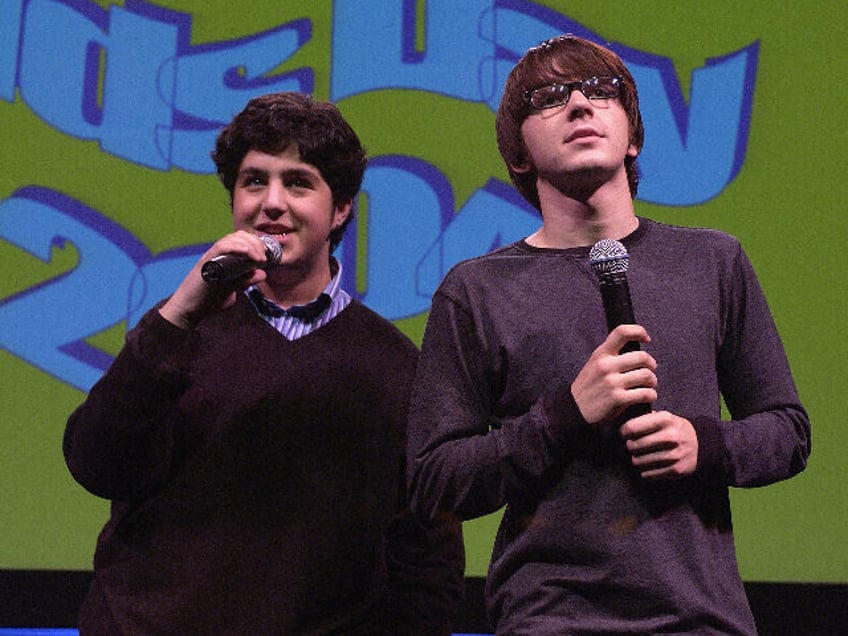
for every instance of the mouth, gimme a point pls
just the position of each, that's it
(275, 231)
(583, 133)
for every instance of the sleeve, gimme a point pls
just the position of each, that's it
(424, 560)
(120, 443)
(462, 459)
(426, 568)
(767, 438)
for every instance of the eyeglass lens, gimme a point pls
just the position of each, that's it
(558, 94)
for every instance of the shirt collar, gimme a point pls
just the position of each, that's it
(306, 313)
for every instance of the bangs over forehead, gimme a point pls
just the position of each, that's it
(565, 59)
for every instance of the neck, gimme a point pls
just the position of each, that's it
(288, 286)
(578, 220)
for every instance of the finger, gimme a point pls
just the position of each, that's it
(641, 377)
(240, 242)
(663, 471)
(650, 448)
(623, 334)
(636, 429)
(625, 398)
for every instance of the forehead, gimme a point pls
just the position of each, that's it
(286, 160)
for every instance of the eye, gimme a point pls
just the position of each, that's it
(250, 177)
(601, 88)
(549, 96)
(251, 181)
(298, 183)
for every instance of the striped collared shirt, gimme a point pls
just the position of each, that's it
(299, 320)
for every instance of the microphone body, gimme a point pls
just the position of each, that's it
(610, 261)
(615, 293)
(229, 267)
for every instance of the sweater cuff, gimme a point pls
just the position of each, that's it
(562, 414)
(161, 346)
(712, 454)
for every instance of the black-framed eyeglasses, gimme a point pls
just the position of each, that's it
(557, 94)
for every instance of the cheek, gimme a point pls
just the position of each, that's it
(530, 134)
(244, 208)
(623, 124)
(531, 147)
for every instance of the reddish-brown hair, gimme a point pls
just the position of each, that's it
(565, 58)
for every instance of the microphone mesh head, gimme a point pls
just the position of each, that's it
(608, 256)
(273, 250)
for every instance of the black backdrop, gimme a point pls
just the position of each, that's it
(50, 598)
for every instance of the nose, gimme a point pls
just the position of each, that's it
(578, 104)
(274, 202)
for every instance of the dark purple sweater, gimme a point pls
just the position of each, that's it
(257, 484)
(586, 546)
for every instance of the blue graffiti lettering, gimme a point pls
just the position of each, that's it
(691, 153)
(115, 280)
(10, 31)
(494, 216)
(36, 221)
(162, 101)
(409, 204)
(448, 63)
(128, 78)
(205, 98)
(413, 238)
(690, 159)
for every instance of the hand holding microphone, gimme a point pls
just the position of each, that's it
(610, 381)
(229, 267)
(196, 298)
(666, 445)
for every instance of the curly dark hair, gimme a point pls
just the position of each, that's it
(271, 123)
(566, 58)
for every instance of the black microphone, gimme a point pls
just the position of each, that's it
(610, 260)
(229, 267)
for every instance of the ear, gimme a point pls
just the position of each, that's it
(632, 151)
(340, 213)
(522, 165)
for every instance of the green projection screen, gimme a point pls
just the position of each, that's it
(107, 196)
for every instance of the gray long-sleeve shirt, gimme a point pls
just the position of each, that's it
(586, 545)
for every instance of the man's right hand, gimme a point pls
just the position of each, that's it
(610, 382)
(195, 298)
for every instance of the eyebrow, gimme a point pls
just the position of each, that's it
(288, 173)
